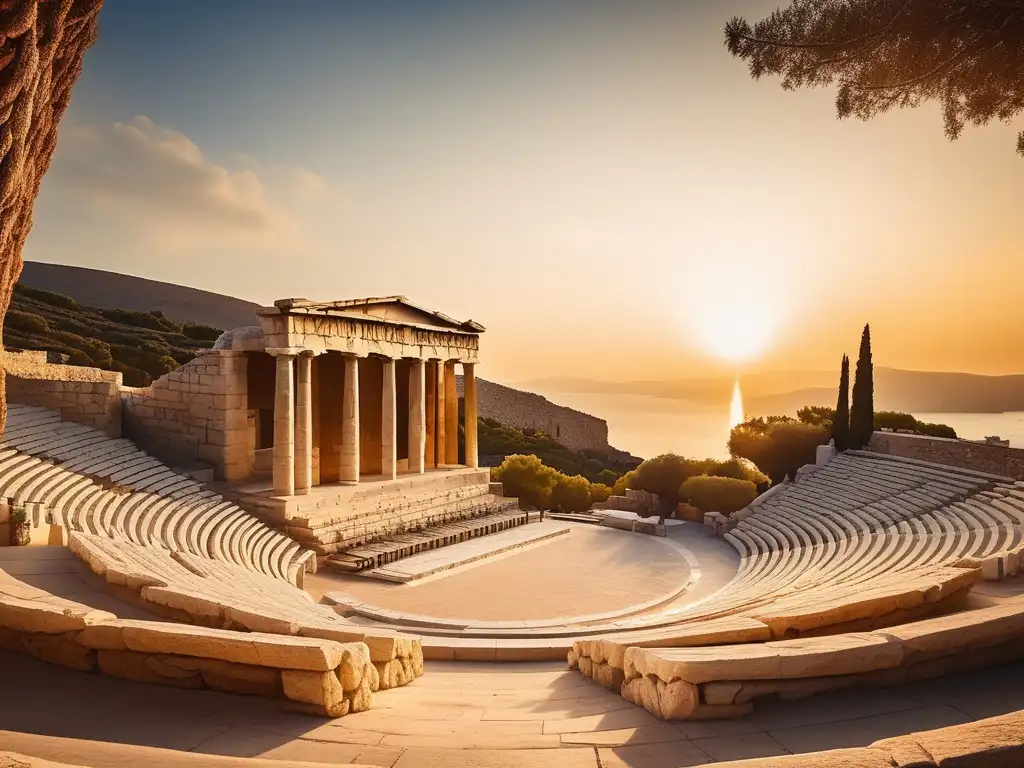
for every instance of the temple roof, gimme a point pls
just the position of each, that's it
(391, 309)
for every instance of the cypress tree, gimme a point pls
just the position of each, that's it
(862, 410)
(841, 423)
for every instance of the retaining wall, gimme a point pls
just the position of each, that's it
(88, 396)
(981, 457)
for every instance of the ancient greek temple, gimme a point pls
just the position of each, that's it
(359, 390)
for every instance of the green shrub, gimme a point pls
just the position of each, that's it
(664, 474)
(152, 320)
(47, 297)
(201, 332)
(572, 494)
(895, 421)
(718, 494)
(526, 478)
(936, 430)
(620, 486)
(778, 446)
(817, 415)
(26, 321)
(741, 469)
(599, 492)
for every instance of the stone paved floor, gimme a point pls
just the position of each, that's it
(474, 715)
(589, 570)
(58, 571)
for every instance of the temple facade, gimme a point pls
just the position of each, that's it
(348, 391)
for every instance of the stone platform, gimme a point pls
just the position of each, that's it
(334, 517)
(472, 549)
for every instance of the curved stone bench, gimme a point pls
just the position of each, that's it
(723, 681)
(191, 588)
(319, 676)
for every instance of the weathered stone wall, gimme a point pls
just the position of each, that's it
(572, 428)
(981, 457)
(87, 396)
(196, 413)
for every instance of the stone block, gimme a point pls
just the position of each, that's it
(59, 649)
(146, 668)
(243, 648)
(34, 616)
(993, 568)
(321, 690)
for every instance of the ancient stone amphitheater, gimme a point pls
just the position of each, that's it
(869, 607)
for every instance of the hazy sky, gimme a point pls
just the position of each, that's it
(598, 183)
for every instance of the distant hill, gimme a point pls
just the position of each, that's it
(784, 393)
(97, 288)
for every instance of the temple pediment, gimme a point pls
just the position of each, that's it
(390, 309)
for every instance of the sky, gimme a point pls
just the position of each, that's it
(600, 184)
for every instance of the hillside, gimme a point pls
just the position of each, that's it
(764, 394)
(598, 465)
(141, 345)
(97, 288)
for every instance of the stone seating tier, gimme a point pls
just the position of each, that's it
(107, 486)
(212, 593)
(723, 681)
(318, 676)
(816, 560)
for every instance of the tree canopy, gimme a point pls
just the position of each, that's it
(968, 55)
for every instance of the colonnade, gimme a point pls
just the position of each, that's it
(434, 400)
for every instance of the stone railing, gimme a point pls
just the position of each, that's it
(321, 677)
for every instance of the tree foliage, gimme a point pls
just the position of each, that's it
(717, 494)
(778, 445)
(141, 345)
(528, 479)
(498, 441)
(665, 474)
(862, 410)
(968, 55)
(572, 494)
(841, 415)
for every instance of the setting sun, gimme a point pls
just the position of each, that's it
(733, 322)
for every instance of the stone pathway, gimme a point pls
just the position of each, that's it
(57, 571)
(475, 715)
(445, 558)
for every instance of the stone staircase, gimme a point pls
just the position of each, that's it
(338, 518)
(378, 554)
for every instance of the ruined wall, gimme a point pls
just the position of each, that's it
(41, 50)
(981, 457)
(572, 428)
(196, 413)
(87, 396)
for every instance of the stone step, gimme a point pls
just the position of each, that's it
(395, 548)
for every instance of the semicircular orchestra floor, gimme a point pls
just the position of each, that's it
(587, 576)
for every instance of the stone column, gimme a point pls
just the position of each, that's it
(284, 423)
(439, 418)
(417, 417)
(349, 469)
(304, 422)
(389, 423)
(451, 415)
(469, 389)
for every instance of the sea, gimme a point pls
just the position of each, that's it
(647, 426)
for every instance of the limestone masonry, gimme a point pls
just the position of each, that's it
(994, 458)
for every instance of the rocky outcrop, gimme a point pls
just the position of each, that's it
(526, 410)
(41, 50)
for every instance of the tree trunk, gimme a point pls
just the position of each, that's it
(42, 43)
